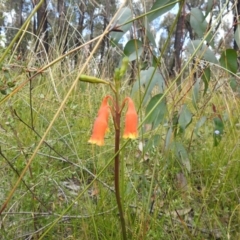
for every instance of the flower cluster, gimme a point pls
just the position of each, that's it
(100, 126)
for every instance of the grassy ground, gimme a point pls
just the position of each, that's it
(162, 200)
(68, 190)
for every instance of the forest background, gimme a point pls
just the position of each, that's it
(179, 179)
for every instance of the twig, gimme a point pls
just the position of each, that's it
(25, 184)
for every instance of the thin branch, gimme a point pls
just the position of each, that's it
(23, 181)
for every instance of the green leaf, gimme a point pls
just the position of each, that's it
(185, 118)
(161, 7)
(198, 22)
(233, 84)
(199, 124)
(206, 79)
(182, 155)
(175, 118)
(218, 125)
(149, 79)
(168, 138)
(196, 93)
(218, 130)
(228, 60)
(157, 110)
(209, 7)
(11, 84)
(133, 49)
(150, 36)
(124, 66)
(123, 16)
(237, 35)
(203, 51)
(3, 92)
(153, 142)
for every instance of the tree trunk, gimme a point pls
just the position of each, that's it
(62, 30)
(178, 43)
(42, 25)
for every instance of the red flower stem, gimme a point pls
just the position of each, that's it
(117, 119)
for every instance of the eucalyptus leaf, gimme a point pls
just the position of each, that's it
(185, 117)
(198, 22)
(209, 7)
(149, 79)
(156, 109)
(206, 79)
(133, 49)
(160, 7)
(233, 84)
(123, 16)
(218, 125)
(168, 138)
(218, 130)
(150, 36)
(181, 154)
(237, 35)
(196, 93)
(201, 50)
(199, 124)
(153, 142)
(228, 60)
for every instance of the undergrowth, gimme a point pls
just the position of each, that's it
(167, 192)
(162, 200)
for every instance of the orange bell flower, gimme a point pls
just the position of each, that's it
(101, 124)
(104, 105)
(131, 121)
(99, 129)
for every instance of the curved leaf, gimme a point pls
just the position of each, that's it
(218, 130)
(149, 78)
(218, 125)
(123, 16)
(198, 22)
(185, 118)
(233, 84)
(203, 51)
(168, 138)
(210, 4)
(237, 36)
(152, 142)
(206, 78)
(181, 154)
(196, 93)
(228, 60)
(158, 109)
(150, 36)
(200, 123)
(133, 49)
(161, 7)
